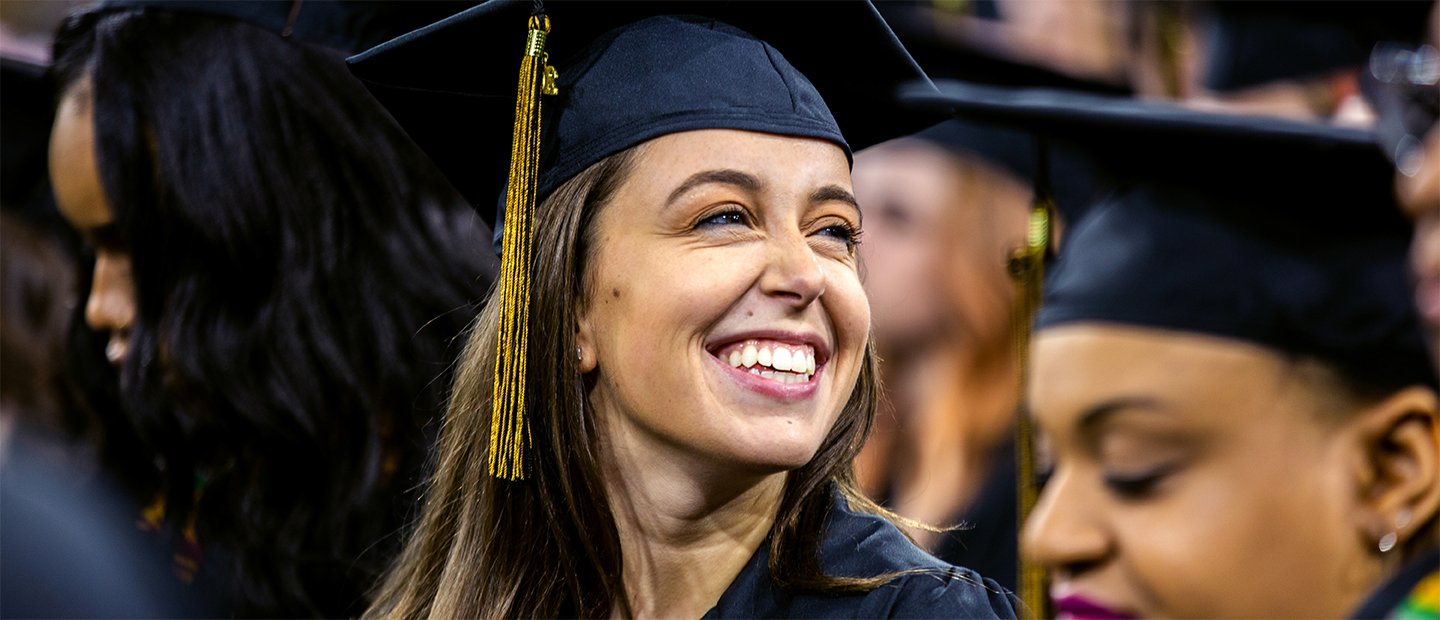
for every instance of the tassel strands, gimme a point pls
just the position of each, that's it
(509, 430)
(1026, 266)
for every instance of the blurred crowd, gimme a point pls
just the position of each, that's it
(232, 290)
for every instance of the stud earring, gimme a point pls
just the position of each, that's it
(579, 354)
(1388, 541)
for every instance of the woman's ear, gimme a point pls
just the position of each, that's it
(1400, 466)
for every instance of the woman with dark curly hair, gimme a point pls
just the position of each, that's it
(280, 276)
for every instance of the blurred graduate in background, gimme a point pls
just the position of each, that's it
(278, 279)
(1233, 319)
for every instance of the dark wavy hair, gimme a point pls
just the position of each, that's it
(301, 274)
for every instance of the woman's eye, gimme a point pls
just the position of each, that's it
(1140, 485)
(843, 232)
(725, 218)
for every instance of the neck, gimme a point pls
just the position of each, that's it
(686, 529)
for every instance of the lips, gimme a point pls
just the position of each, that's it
(1077, 607)
(779, 364)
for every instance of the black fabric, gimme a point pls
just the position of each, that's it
(1257, 42)
(1069, 173)
(630, 72)
(987, 542)
(345, 25)
(1385, 601)
(859, 544)
(1167, 258)
(69, 547)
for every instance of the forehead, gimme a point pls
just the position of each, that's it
(1078, 365)
(74, 169)
(775, 159)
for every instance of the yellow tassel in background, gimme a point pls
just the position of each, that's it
(1027, 269)
(509, 431)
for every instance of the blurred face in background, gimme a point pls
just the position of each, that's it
(904, 188)
(75, 175)
(1194, 476)
(937, 231)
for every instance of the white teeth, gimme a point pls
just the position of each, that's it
(780, 360)
(775, 362)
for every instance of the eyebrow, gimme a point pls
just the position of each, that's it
(1096, 416)
(834, 193)
(727, 176)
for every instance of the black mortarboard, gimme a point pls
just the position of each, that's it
(1068, 171)
(1275, 232)
(610, 76)
(345, 25)
(762, 66)
(1256, 42)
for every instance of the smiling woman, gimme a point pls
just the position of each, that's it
(667, 427)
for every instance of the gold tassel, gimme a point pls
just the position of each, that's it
(509, 431)
(1027, 269)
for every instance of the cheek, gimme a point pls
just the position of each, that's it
(1226, 543)
(651, 316)
(848, 305)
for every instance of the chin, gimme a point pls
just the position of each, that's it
(771, 456)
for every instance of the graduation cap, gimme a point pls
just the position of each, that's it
(610, 76)
(1070, 173)
(345, 25)
(1256, 42)
(1274, 232)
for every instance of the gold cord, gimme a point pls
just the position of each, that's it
(1027, 269)
(509, 431)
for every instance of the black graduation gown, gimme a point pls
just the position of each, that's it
(858, 544)
(1399, 590)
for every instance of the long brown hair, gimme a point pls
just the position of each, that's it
(548, 546)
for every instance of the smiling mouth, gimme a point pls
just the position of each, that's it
(780, 362)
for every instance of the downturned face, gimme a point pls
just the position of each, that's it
(75, 175)
(1190, 477)
(725, 321)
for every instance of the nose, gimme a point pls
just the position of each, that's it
(793, 273)
(1061, 533)
(111, 306)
